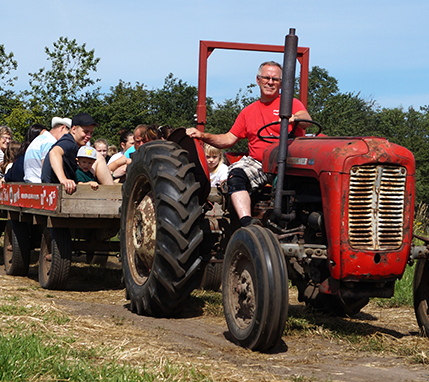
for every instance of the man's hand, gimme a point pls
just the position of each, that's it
(194, 133)
(301, 114)
(69, 185)
(221, 141)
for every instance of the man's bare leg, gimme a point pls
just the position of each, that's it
(242, 203)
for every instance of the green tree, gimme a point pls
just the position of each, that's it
(127, 106)
(321, 87)
(410, 129)
(174, 104)
(123, 108)
(7, 65)
(221, 117)
(20, 119)
(63, 88)
(8, 98)
(347, 114)
(340, 114)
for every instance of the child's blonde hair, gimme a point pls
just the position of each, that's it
(101, 141)
(213, 152)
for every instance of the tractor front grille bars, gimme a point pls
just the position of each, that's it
(376, 207)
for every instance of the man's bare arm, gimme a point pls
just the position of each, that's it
(301, 114)
(56, 158)
(221, 141)
(118, 163)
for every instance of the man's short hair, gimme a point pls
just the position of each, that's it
(270, 63)
(139, 128)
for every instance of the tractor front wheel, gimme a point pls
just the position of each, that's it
(255, 288)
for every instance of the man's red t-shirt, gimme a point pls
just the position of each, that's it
(256, 115)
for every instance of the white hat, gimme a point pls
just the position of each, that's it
(87, 152)
(61, 121)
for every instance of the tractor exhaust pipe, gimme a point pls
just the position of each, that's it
(286, 102)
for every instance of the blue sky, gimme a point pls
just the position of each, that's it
(376, 48)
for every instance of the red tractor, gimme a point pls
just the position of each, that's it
(337, 222)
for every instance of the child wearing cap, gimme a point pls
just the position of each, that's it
(86, 156)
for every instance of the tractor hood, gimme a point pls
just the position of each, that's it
(310, 156)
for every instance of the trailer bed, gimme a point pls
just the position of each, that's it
(45, 218)
(52, 200)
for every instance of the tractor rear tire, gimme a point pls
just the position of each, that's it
(421, 295)
(160, 229)
(255, 288)
(55, 258)
(16, 248)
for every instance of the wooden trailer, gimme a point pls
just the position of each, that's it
(44, 216)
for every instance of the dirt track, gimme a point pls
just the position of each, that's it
(100, 315)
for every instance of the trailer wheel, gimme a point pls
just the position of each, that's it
(16, 248)
(100, 260)
(212, 276)
(421, 295)
(55, 258)
(255, 288)
(160, 229)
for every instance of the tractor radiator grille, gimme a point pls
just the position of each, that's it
(376, 207)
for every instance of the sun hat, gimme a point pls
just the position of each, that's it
(61, 121)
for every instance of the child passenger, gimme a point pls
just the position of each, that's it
(86, 157)
(101, 146)
(218, 169)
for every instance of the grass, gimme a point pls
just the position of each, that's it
(403, 295)
(42, 343)
(361, 336)
(30, 356)
(30, 350)
(210, 301)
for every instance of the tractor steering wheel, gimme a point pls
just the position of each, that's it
(271, 138)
